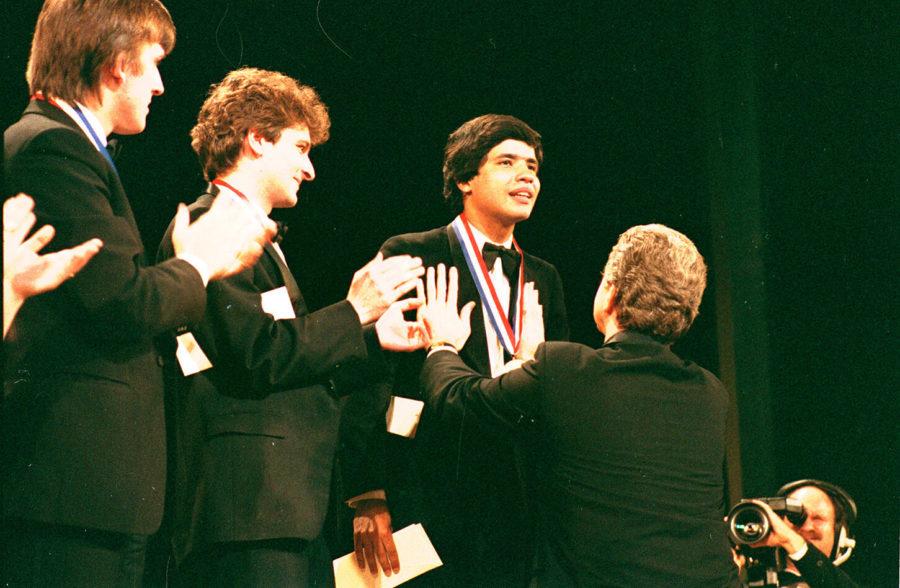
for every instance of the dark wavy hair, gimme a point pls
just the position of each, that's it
(468, 146)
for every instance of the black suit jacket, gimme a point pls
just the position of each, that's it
(467, 485)
(256, 434)
(631, 488)
(83, 433)
(818, 572)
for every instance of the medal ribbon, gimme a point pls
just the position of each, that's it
(508, 337)
(91, 133)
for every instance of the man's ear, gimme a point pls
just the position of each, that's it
(255, 143)
(114, 75)
(465, 187)
(608, 296)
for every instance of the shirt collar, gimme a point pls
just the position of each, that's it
(91, 118)
(216, 189)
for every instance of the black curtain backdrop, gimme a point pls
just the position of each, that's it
(621, 93)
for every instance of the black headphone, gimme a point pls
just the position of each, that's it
(845, 514)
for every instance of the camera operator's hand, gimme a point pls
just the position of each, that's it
(782, 533)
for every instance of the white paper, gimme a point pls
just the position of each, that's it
(403, 416)
(190, 356)
(277, 302)
(416, 553)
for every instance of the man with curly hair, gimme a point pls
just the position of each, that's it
(632, 488)
(256, 426)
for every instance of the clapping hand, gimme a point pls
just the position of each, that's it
(25, 271)
(379, 283)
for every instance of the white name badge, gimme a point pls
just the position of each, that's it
(190, 357)
(403, 416)
(277, 302)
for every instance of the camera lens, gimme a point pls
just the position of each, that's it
(748, 523)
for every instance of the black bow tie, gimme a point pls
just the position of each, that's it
(282, 231)
(114, 148)
(508, 257)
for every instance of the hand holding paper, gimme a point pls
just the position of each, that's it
(373, 537)
(414, 549)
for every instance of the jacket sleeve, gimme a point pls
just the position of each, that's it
(819, 572)
(118, 297)
(261, 355)
(280, 354)
(503, 403)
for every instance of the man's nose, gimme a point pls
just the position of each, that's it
(158, 87)
(309, 172)
(526, 174)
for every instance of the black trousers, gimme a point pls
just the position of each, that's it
(41, 554)
(265, 563)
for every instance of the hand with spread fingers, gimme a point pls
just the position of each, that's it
(381, 282)
(441, 321)
(532, 323)
(228, 239)
(25, 271)
(373, 539)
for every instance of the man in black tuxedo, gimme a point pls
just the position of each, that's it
(83, 471)
(466, 485)
(256, 429)
(632, 489)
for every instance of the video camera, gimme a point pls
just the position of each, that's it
(748, 523)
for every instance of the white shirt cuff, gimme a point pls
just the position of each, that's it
(798, 555)
(442, 348)
(370, 495)
(198, 264)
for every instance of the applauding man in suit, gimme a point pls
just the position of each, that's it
(464, 484)
(631, 490)
(256, 428)
(83, 470)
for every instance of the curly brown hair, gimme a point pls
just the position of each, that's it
(266, 102)
(75, 40)
(659, 277)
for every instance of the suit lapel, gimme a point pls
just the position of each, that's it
(475, 352)
(288, 279)
(118, 201)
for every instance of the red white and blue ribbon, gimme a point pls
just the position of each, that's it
(508, 336)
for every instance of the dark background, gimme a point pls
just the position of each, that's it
(768, 134)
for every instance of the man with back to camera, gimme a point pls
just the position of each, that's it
(466, 485)
(632, 487)
(822, 539)
(83, 472)
(256, 431)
